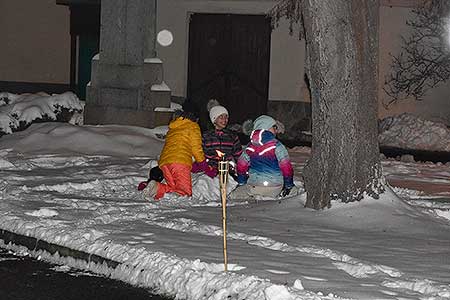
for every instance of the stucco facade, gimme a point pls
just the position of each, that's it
(35, 42)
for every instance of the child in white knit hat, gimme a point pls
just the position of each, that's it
(220, 138)
(219, 114)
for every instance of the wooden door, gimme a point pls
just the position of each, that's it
(229, 58)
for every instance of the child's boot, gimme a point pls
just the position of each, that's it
(151, 189)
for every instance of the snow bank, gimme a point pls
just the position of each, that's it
(114, 140)
(22, 110)
(411, 132)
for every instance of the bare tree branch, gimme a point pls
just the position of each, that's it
(424, 60)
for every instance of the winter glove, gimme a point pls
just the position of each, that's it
(286, 191)
(197, 167)
(211, 172)
(204, 167)
(142, 185)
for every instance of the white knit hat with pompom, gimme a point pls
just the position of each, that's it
(215, 110)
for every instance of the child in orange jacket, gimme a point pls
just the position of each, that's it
(183, 141)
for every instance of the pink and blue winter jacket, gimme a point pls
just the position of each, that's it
(265, 162)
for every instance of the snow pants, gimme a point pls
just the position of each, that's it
(251, 191)
(178, 179)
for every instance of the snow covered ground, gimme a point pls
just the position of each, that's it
(75, 186)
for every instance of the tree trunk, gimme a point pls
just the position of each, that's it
(342, 66)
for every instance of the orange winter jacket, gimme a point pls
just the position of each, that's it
(183, 141)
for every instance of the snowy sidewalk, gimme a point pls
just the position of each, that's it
(278, 250)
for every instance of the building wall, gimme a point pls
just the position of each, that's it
(287, 53)
(35, 42)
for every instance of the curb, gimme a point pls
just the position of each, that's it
(33, 244)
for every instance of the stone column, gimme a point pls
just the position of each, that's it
(150, 47)
(127, 79)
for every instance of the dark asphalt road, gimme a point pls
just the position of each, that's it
(22, 277)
